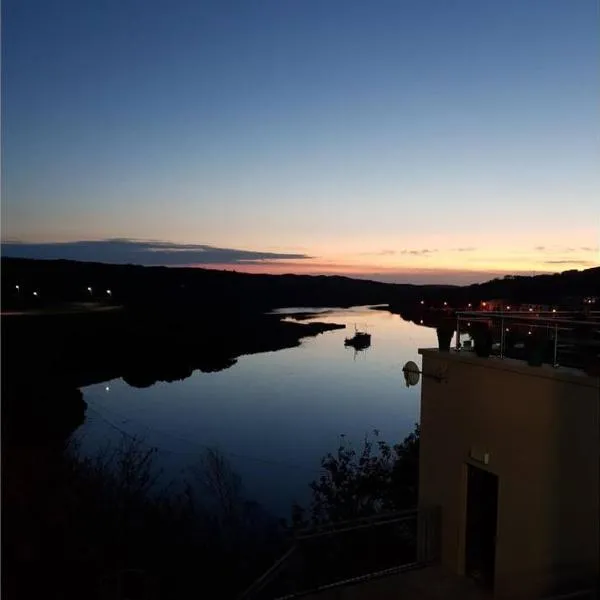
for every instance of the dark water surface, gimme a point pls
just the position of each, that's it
(274, 415)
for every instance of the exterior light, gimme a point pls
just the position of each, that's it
(530, 309)
(469, 305)
(90, 290)
(445, 304)
(529, 333)
(484, 304)
(469, 324)
(35, 293)
(109, 292)
(107, 388)
(422, 301)
(553, 310)
(421, 321)
(17, 287)
(507, 329)
(508, 308)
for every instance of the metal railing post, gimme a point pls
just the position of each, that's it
(555, 346)
(457, 333)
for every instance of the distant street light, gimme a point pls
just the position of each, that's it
(109, 292)
(445, 304)
(422, 301)
(469, 305)
(17, 288)
(508, 307)
(35, 293)
(89, 289)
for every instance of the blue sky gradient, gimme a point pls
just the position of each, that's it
(335, 129)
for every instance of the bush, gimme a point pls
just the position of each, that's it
(377, 478)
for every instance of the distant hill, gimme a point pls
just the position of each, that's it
(63, 280)
(546, 289)
(133, 285)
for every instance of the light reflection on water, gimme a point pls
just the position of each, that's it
(273, 414)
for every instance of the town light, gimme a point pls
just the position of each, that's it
(421, 321)
(35, 293)
(89, 289)
(484, 304)
(445, 304)
(469, 305)
(17, 287)
(530, 309)
(508, 307)
(553, 310)
(109, 292)
(422, 301)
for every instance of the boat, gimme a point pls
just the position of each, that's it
(359, 341)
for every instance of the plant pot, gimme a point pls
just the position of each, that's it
(444, 335)
(483, 351)
(482, 342)
(591, 364)
(535, 352)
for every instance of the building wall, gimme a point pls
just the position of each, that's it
(540, 428)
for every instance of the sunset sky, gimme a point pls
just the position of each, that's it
(404, 140)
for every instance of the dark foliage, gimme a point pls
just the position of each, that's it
(97, 522)
(377, 478)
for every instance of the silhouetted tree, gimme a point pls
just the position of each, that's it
(379, 477)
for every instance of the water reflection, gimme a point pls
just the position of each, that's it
(273, 414)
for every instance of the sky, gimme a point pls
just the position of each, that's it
(401, 140)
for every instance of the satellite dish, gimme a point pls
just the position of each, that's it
(411, 373)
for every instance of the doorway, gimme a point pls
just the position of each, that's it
(480, 538)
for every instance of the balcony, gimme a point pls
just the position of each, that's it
(563, 340)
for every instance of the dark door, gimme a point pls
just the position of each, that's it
(482, 510)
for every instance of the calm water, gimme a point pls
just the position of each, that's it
(274, 414)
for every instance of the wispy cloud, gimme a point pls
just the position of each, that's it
(150, 253)
(466, 249)
(585, 263)
(565, 249)
(379, 253)
(423, 252)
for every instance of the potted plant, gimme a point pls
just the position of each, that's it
(445, 331)
(482, 340)
(535, 345)
(587, 348)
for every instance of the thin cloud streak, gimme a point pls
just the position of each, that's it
(586, 263)
(423, 252)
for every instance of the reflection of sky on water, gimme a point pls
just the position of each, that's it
(274, 414)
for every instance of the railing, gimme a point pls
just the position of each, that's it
(350, 551)
(563, 338)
